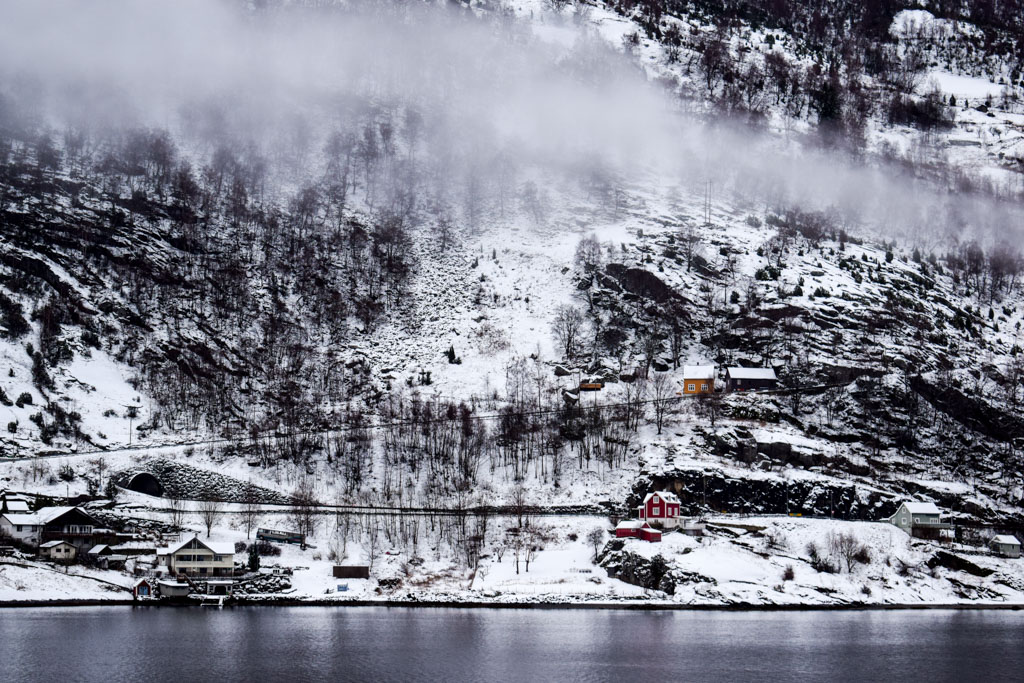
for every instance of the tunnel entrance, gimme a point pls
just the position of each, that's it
(144, 482)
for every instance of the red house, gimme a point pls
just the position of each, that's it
(660, 508)
(635, 528)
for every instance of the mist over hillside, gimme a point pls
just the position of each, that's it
(380, 245)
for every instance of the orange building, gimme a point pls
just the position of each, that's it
(698, 379)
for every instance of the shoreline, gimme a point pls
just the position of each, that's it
(477, 604)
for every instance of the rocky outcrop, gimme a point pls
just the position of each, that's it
(651, 573)
(972, 413)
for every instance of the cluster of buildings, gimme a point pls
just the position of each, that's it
(70, 534)
(924, 520)
(700, 379)
(659, 511)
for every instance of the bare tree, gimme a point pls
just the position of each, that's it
(568, 327)
(588, 253)
(847, 548)
(250, 509)
(209, 512)
(595, 537)
(304, 508)
(689, 242)
(519, 503)
(177, 510)
(662, 390)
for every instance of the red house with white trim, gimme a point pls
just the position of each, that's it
(660, 508)
(635, 528)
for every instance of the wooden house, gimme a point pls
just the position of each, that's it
(58, 551)
(698, 379)
(747, 379)
(1005, 546)
(71, 524)
(921, 520)
(660, 509)
(195, 556)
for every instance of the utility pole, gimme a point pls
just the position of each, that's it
(131, 412)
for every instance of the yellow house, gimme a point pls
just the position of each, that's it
(199, 558)
(698, 379)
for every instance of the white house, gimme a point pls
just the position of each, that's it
(21, 526)
(198, 557)
(1006, 546)
(922, 520)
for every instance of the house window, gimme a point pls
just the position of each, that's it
(703, 387)
(917, 520)
(19, 527)
(202, 570)
(903, 520)
(655, 511)
(218, 558)
(691, 387)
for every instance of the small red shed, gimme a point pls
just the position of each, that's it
(628, 529)
(143, 588)
(650, 535)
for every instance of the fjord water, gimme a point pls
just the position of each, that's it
(404, 644)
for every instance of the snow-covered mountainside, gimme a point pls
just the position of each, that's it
(366, 254)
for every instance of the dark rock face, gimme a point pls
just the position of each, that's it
(971, 413)
(654, 573)
(765, 496)
(641, 282)
(957, 563)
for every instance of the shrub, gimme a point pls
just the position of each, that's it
(240, 546)
(24, 399)
(266, 549)
(788, 574)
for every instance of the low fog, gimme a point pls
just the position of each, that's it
(466, 106)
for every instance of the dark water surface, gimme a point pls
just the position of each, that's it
(404, 644)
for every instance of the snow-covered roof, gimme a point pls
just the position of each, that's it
(750, 373)
(29, 519)
(1005, 540)
(664, 495)
(921, 508)
(630, 524)
(16, 505)
(217, 547)
(698, 372)
(51, 544)
(47, 515)
(96, 549)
